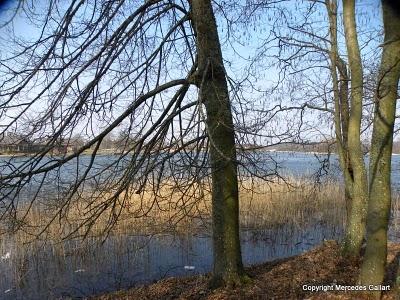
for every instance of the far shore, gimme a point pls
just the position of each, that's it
(87, 152)
(115, 152)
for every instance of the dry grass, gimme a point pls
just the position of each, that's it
(300, 201)
(172, 210)
(262, 205)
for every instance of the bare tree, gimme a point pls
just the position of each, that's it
(321, 79)
(356, 226)
(341, 100)
(211, 80)
(374, 262)
(102, 67)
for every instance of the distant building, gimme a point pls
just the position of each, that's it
(12, 143)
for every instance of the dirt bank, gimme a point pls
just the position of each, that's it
(280, 279)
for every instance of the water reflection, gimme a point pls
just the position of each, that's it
(42, 270)
(76, 269)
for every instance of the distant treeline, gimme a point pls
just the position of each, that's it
(320, 147)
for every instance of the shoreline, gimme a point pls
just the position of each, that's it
(109, 152)
(298, 277)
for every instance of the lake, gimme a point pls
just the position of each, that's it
(77, 269)
(315, 166)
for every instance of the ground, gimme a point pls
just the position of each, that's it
(280, 279)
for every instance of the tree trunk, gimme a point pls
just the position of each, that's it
(341, 116)
(355, 229)
(213, 92)
(344, 118)
(374, 262)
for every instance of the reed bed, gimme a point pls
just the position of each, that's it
(296, 202)
(172, 209)
(42, 250)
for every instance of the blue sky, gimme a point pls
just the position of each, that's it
(248, 43)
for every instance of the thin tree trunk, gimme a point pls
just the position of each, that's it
(211, 79)
(344, 117)
(374, 262)
(355, 230)
(340, 95)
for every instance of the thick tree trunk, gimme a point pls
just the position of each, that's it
(374, 262)
(211, 79)
(355, 229)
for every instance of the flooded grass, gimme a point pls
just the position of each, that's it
(263, 205)
(298, 203)
(277, 220)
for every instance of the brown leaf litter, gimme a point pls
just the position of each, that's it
(279, 279)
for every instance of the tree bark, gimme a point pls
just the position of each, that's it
(347, 167)
(341, 116)
(374, 262)
(355, 229)
(213, 92)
